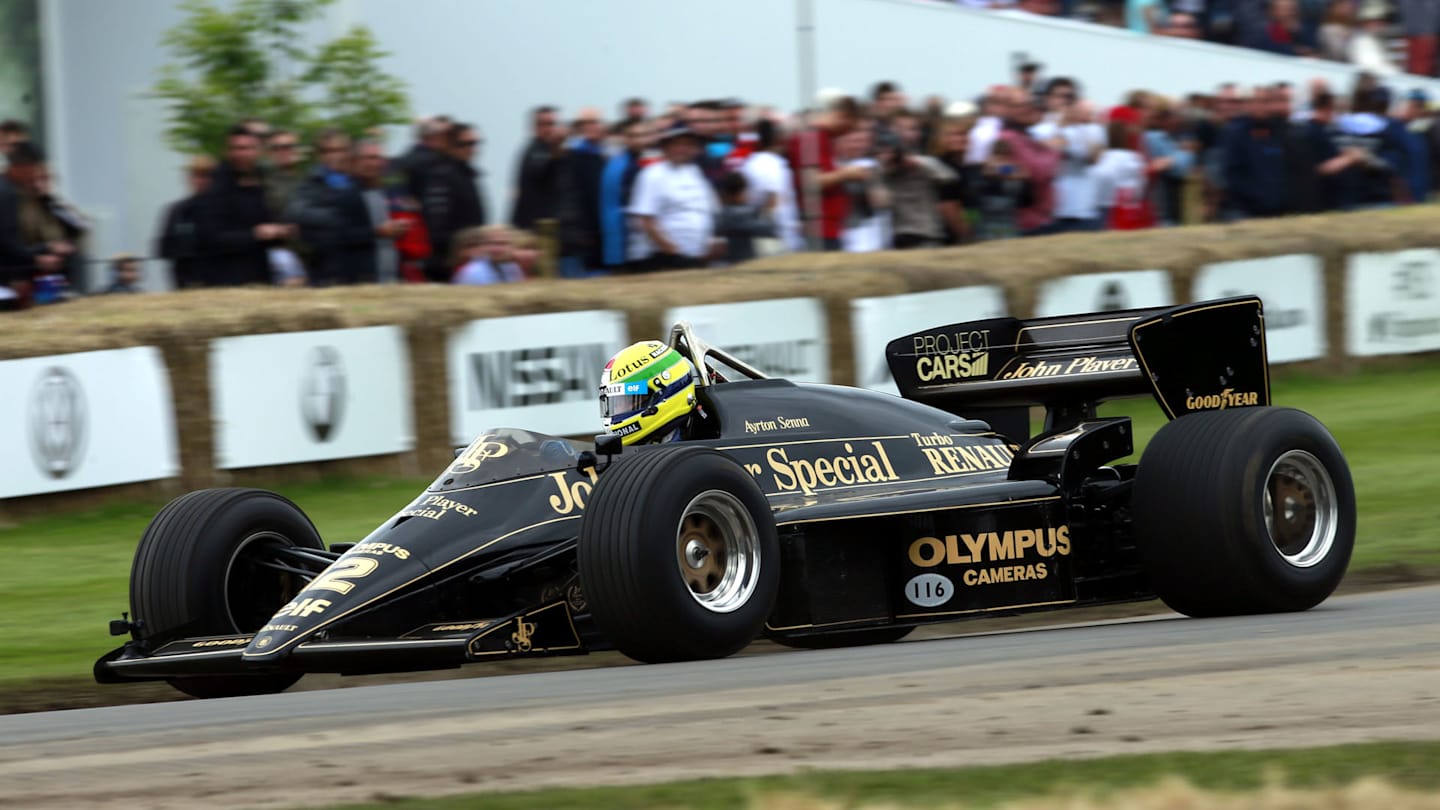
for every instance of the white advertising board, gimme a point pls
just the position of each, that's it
(786, 337)
(91, 419)
(292, 397)
(1293, 290)
(877, 321)
(1392, 302)
(1104, 292)
(536, 372)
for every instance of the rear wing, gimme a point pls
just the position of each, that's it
(1204, 356)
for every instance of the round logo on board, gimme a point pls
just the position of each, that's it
(323, 393)
(58, 420)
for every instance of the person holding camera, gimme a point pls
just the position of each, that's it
(919, 215)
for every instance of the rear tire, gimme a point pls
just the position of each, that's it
(193, 575)
(678, 555)
(1244, 511)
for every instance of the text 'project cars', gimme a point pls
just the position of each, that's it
(814, 515)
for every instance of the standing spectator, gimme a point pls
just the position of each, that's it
(1211, 134)
(1375, 175)
(1004, 188)
(333, 217)
(413, 167)
(1070, 129)
(1283, 32)
(578, 207)
(994, 109)
(820, 180)
(486, 255)
(919, 215)
(179, 239)
(886, 99)
(452, 200)
(930, 119)
(867, 222)
(772, 185)
(1337, 31)
(538, 176)
(951, 141)
(1312, 153)
(1120, 180)
(740, 221)
(1040, 161)
(124, 275)
(386, 230)
(1171, 157)
(1420, 123)
(1367, 46)
(1255, 161)
(1421, 22)
(616, 185)
(46, 219)
(675, 205)
(21, 261)
(236, 225)
(286, 168)
(707, 120)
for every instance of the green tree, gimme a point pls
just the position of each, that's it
(251, 60)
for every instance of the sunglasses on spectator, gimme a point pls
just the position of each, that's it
(279, 146)
(469, 142)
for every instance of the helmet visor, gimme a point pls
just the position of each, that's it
(622, 399)
(625, 402)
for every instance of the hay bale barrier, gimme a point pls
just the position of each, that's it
(182, 324)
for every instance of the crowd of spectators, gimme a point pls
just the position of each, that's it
(1372, 34)
(715, 182)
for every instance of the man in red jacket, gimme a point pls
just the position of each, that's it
(819, 183)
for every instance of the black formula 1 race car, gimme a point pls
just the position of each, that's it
(815, 515)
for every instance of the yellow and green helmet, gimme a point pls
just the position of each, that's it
(645, 388)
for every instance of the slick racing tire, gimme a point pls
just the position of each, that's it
(678, 555)
(1244, 511)
(195, 575)
(847, 638)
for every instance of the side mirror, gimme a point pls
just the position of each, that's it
(609, 444)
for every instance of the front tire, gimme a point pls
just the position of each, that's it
(1244, 511)
(195, 574)
(678, 555)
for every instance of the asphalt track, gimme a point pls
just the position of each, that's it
(1362, 667)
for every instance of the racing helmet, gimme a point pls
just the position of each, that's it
(644, 389)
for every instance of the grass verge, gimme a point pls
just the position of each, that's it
(65, 576)
(1100, 782)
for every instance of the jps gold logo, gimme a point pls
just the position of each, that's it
(521, 637)
(481, 450)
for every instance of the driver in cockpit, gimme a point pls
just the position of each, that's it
(647, 394)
